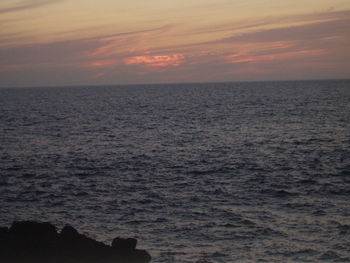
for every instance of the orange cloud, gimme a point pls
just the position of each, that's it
(156, 61)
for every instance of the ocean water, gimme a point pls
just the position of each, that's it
(225, 172)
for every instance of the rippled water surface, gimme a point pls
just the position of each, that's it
(240, 172)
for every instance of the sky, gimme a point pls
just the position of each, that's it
(113, 42)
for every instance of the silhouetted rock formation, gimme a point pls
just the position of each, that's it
(128, 244)
(29, 242)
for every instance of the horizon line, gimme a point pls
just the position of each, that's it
(171, 83)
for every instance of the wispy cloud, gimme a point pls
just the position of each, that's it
(27, 4)
(273, 21)
(273, 56)
(161, 29)
(270, 45)
(304, 32)
(104, 51)
(110, 43)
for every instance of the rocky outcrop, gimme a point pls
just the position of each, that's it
(29, 242)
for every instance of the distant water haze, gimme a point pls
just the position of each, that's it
(220, 172)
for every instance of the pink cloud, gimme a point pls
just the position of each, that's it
(173, 60)
(101, 63)
(275, 55)
(99, 75)
(239, 58)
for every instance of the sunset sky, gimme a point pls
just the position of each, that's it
(92, 42)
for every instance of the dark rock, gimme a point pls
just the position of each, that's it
(69, 232)
(29, 242)
(4, 231)
(124, 243)
(4, 234)
(33, 229)
(126, 248)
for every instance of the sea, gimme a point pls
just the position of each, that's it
(198, 173)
